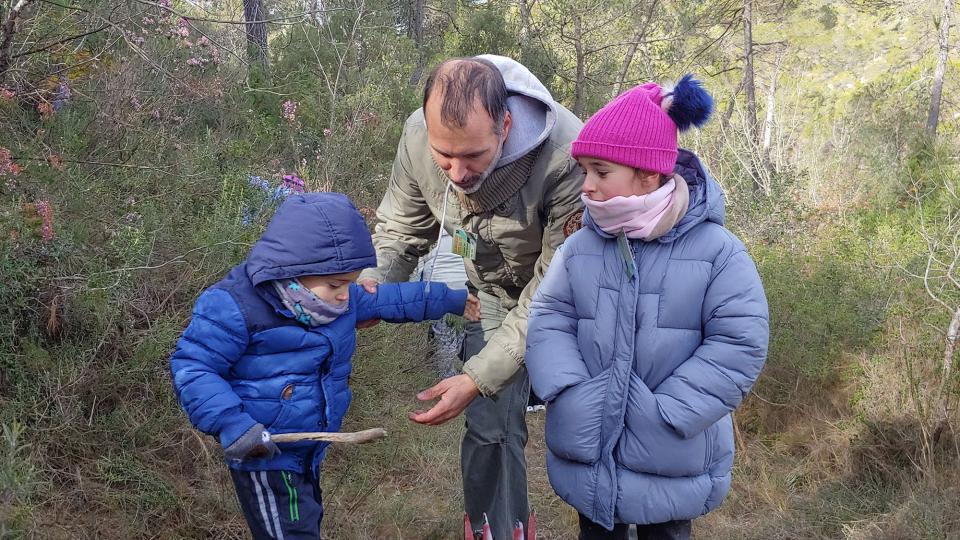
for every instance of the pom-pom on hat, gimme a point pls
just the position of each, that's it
(639, 127)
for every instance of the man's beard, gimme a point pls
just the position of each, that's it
(473, 183)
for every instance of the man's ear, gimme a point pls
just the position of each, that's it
(507, 122)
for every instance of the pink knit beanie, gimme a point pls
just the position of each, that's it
(639, 127)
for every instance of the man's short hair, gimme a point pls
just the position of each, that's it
(461, 82)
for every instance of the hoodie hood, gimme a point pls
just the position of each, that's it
(312, 234)
(532, 107)
(706, 199)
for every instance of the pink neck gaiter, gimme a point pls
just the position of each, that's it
(636, 216)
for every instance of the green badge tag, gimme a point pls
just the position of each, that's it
(464, 244)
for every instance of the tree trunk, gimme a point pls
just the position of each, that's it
(933, 117)
(632, 50)
(731, 105)
(415, 31)
(7, 31)
(526, 8)
(769, 114)
(578, 90)
(254, 15)
(946, 375)
(749, 86)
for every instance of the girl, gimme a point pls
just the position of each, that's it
(649, 328)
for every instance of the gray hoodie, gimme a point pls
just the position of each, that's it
(517, 217)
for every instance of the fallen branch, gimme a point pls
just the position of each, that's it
(358, 437)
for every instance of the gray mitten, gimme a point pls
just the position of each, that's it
(255, 443)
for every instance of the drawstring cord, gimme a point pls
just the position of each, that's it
(436, 253)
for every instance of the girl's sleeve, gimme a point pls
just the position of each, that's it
(715, 379)
(408, 301)
(553, 356)
(213, 341)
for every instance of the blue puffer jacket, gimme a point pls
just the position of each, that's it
(641, 374)
(244, 359)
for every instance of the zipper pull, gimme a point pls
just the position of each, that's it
(627, 254)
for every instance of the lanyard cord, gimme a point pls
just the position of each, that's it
(443, 219)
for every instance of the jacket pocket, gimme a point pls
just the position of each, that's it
(650, 445)
(575, 418)
(301, 408)
(710, 441)
(265, 411)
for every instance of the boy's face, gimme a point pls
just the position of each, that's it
(331, 288)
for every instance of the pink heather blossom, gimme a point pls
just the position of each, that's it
(148, 20)
(7, 94)
(193, 61)
(203, 41)
(46, 214)
(183, 32)
(327, 132)
(290, 110)
(45, 109)
(7, 166)
(163, 3)
(56, 162)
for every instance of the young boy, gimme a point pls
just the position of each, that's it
(269, 348)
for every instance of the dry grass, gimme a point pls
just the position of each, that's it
(115, 458)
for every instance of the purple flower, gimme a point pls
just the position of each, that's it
(293, 182)
(62, 97)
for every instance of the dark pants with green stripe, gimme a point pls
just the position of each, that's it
(280, 505)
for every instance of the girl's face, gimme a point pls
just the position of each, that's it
(606, 180)
(331, 288)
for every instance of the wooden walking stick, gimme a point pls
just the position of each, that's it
(358, 437)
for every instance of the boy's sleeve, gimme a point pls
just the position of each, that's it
(408, 302)
(553, 356)
(215, 338)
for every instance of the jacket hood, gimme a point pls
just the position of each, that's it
(312, 234)
(532, 107)
(706, 199)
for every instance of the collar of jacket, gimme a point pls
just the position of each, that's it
(503, 183)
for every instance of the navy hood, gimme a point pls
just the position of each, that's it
(312, 234)
(706, 199)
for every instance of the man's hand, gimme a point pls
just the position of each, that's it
(455, 394)
(369, 285)
(471, 310)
